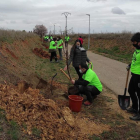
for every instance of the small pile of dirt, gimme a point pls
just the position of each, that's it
(73, 90)
(39, 52)
(34, 111)
(57, 85)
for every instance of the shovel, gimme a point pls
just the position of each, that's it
(51, 83)
(123, 100)
(65, 74)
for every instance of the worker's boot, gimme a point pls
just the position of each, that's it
(136, 117)
(131, 110)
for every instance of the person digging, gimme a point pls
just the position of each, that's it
(89, 84)
(134, 84)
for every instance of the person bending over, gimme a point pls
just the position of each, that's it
(89, 84)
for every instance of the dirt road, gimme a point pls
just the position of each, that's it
(112, 73)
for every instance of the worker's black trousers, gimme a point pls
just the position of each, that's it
(53, 54)
(89, 91)
(60, 53)
(134, 91)
(66, 43)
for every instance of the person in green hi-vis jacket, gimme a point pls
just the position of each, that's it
(46, 37)
(51, 37)
(52, 50)
(67, 38)
(89, 84)
(60, 47)
(134, 84)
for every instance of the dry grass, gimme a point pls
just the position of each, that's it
(10, 35)
(113, 45)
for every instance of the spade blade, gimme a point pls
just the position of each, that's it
(124, 101)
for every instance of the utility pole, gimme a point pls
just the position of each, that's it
(89, 31)
(54, 28)
(66, 14)
(60, 31)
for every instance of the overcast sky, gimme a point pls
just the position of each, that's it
(105, 15)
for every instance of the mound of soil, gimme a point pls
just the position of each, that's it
(41, 53)
(33, 110)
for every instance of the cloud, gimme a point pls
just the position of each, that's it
(117, 10)
(12, 22)
(95, 0)
(105, 14)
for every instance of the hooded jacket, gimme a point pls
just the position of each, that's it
(78, 56)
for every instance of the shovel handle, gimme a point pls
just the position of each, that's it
(126, 82)
(127, 79)
(65, 74)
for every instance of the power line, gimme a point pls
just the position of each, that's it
(66, 14)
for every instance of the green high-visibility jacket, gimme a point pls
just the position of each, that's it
(52, 45)
(67, 38)
(135, 64)
(93, 79)
(47, 37)
(60, 44)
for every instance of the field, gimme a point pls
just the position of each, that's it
(31, 109)
(113, 45)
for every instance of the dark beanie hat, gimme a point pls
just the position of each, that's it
(84, 65)
(136, 37)
(54, 39)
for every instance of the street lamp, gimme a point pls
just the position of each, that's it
(89, 31)
(60, 30)
(50, 30)
(54, 28)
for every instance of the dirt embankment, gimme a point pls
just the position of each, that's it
(30, 108)
(24, 101)
(31, 103)
(17, 59)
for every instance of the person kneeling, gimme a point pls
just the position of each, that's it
(89, 84)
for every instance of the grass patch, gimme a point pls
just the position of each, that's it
(93, 137)
(115, 53)
(2, 114)
(36, 132)
(108, 99)
(110, 135)
(14, 131)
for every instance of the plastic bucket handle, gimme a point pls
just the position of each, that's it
(91, 67)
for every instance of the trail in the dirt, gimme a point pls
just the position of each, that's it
(112, 73)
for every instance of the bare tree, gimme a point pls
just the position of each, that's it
(41, 30)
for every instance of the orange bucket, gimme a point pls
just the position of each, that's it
(75, 102)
